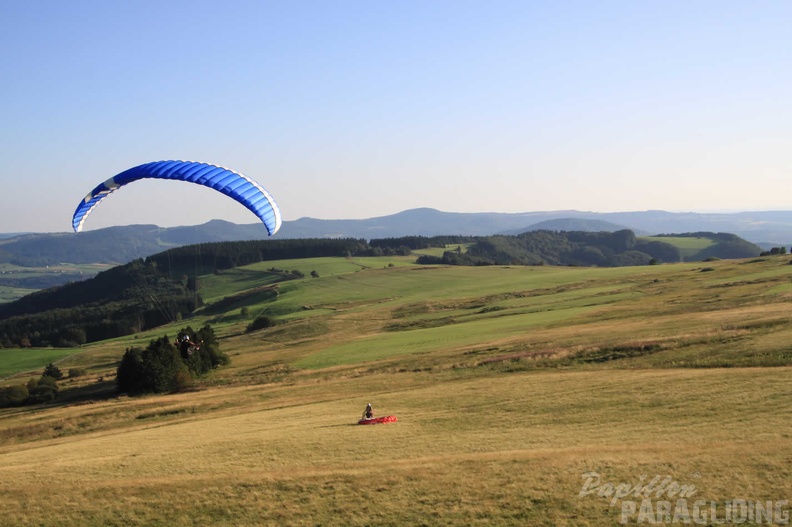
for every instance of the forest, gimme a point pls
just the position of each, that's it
(601, 249)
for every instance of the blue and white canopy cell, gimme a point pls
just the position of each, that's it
(233, 184)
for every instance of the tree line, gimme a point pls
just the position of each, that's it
(120, 301)
(206, 258)
(602, 249)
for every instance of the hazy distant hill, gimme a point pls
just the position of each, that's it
(572, 224)
(414, 222)
(111, 245)
(5, 235)
(764, 228)
(117, 244)
(213, 231)
(124, 244)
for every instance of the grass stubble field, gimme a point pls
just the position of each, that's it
(510, 384)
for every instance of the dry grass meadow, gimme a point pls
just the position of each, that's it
(509, 385)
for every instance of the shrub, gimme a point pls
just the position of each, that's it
(129, 377)
(48, 381)
(261, 322)
(182, 380)
(153, 370)
(162, 364)
(43, 393)
(50, 370)
(208, 339)
(162, 368)
(41, 390)
(15, 395)
(76, 372)
(197, 357)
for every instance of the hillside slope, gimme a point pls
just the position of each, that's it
(141, 295)
(510, 384)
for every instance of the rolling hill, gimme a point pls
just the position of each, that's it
(571, 224)
(143, 294)
(510, 385)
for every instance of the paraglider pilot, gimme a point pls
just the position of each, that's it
(368, 413)
(185, 346)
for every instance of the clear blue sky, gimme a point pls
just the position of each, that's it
(362, 109)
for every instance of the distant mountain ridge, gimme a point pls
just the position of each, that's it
(126, 243)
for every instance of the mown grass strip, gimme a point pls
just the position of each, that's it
(13, 361)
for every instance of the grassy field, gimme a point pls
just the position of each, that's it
(68, 272)
(14, 361)
(88, 269)
(509, 383)
(9, 293)
(688, 246)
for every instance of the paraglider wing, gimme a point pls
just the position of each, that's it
(378, 420)
(232, 184)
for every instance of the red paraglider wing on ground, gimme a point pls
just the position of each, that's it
(377, 420)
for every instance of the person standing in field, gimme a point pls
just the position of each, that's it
(368, 413)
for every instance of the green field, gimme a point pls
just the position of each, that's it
(688, 246)
(510, 384)
(69, 272)
(9, 294)
(13, 361)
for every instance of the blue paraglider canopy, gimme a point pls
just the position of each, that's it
(233, 184)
